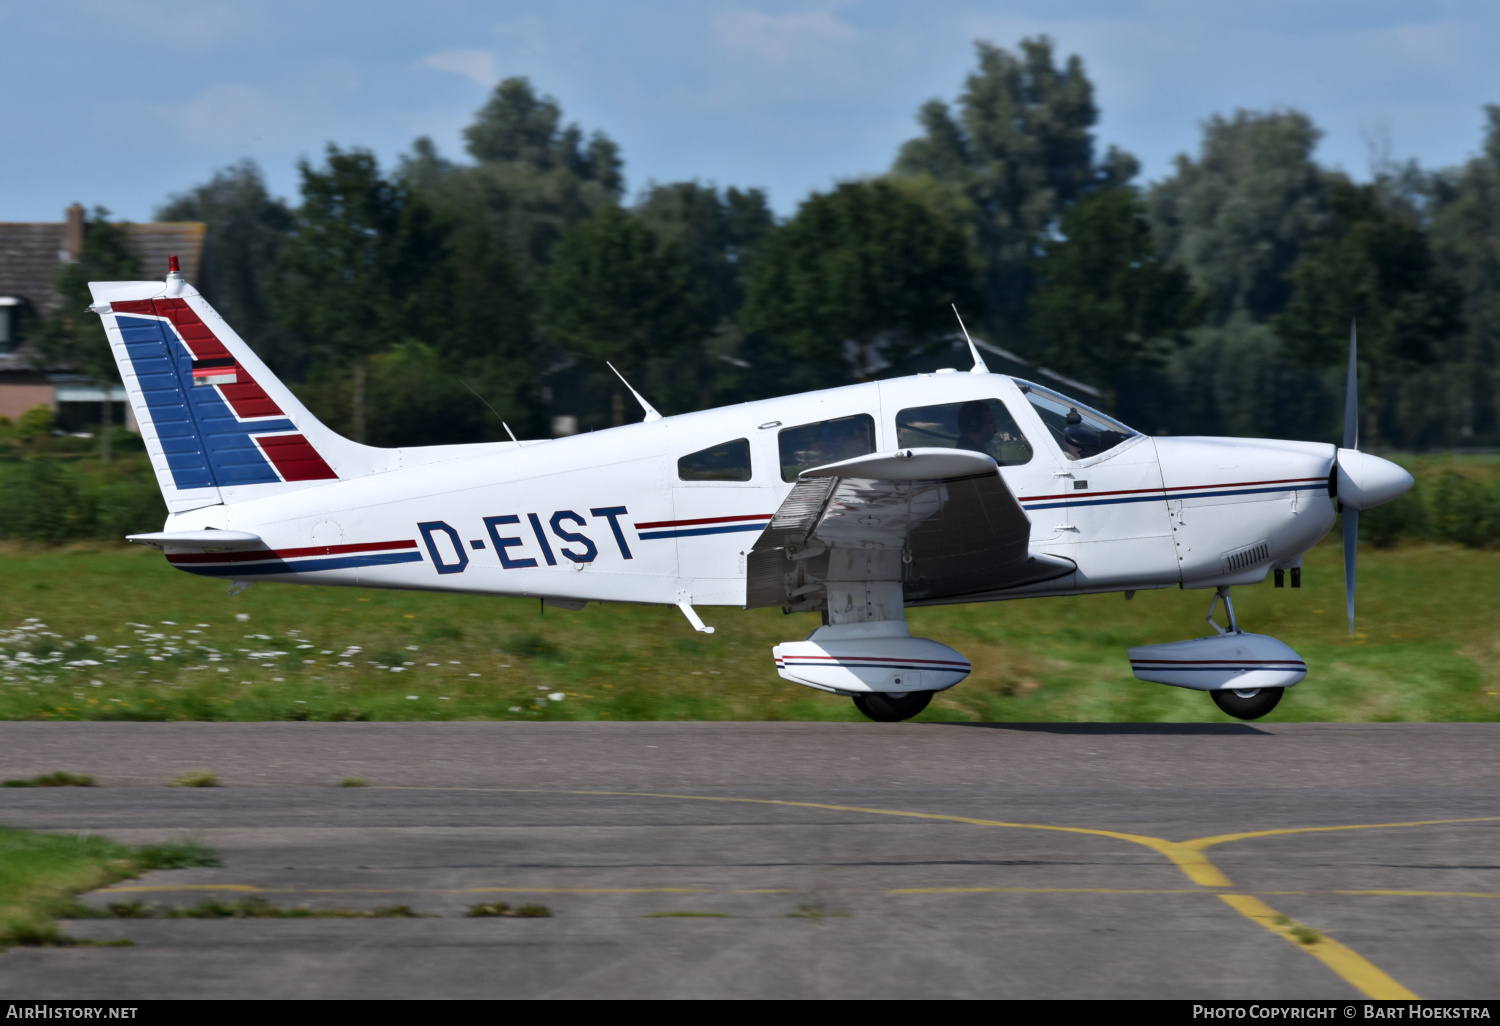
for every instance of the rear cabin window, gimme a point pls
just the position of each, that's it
(980, 425)
(728, 461)
(827, 441)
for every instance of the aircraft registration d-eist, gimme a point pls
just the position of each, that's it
(855, 502)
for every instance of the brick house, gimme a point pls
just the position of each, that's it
(30, 253)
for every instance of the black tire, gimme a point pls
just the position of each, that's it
(1248, 706)
(887, 708)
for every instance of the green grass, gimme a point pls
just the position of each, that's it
(113, 633)
(246, 908)
(41, 873)
(61, 778)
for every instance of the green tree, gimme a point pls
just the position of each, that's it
(1465, 234)
(361, 268)
(1238, 216)
(615, 292)
(1108, 303)
(246, 230)
(861, 279)
(1019, 152)
(1373, 266)
(532, 178)
(71, 337)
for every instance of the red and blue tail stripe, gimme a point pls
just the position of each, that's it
(259, 562)
(216, 424)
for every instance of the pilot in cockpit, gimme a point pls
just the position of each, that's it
(976, 426)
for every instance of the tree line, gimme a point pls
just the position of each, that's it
(426, 302)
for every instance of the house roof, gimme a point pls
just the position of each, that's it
(31, 252)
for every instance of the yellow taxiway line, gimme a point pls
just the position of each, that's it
(1187, 856)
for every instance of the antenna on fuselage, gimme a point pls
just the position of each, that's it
(651, 413)
(979, 367)
(496, 412)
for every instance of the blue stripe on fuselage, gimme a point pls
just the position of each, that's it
(1163, 496)
(302, 566)
(693, 531)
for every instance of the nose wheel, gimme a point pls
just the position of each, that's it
(887, 707)
(1247, 705)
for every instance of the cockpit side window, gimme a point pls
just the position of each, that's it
(1080, 432)
(827, 441)
(728, 461)
(981, 425)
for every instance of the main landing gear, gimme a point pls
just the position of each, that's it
(892, 707)
(1251, 704)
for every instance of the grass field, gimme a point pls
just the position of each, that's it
(111, 632)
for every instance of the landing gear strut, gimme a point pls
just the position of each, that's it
(889, 707)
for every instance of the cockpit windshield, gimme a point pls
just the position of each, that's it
(1080, 432)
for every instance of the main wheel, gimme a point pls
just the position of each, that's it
(1247, 705)
(885, 707)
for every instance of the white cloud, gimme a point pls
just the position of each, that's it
(476, 65)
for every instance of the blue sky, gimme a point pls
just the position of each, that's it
(122, 102)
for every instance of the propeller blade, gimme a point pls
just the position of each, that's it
(1351, 548)
(1351, 394)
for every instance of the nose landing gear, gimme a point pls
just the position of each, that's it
(1244, 673)
(890, 706)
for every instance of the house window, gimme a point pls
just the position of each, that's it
(7, 324)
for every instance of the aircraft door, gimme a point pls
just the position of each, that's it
(1107, 494)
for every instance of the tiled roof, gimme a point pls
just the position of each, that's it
(31, 252)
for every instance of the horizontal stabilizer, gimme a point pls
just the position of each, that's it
(197, 541)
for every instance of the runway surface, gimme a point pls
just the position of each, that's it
(816, 860)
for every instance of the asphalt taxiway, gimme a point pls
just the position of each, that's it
(788, 859)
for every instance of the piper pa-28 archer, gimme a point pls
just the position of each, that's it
(855, 502)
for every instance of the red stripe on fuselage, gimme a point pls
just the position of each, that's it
(700, 520)
(261, 555)
(1085, 494)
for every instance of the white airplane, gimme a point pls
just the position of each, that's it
(855, 502)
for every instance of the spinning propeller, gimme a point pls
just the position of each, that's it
(1363, 481)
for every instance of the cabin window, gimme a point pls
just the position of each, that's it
(980, 425)
(728, 461)
(1079, 431)
(827, 441)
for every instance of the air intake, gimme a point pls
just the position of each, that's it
(1243, 559)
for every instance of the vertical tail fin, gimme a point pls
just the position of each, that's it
(218, 425)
